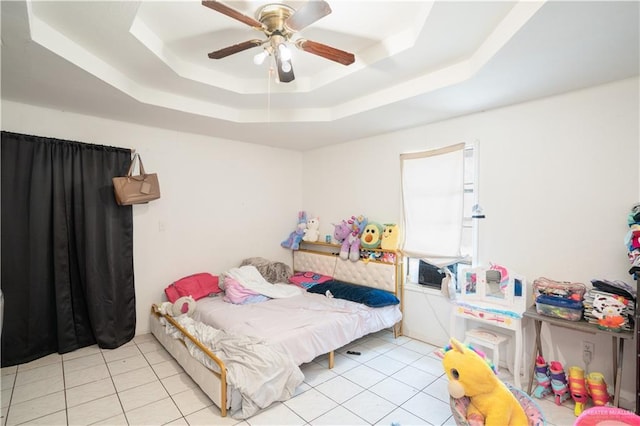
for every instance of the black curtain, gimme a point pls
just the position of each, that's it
(67, 248)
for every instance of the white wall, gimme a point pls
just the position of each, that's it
(557, 179)
(222, 201)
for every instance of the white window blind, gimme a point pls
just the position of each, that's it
(433, 204)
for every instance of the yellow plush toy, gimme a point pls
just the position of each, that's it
(390, 236)
(470, 375)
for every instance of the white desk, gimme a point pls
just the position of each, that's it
(463, 312)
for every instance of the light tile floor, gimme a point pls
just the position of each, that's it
(397, 381)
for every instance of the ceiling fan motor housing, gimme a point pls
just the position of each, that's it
(273, 17)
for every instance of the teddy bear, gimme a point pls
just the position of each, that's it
(293, 241)
(312, 233)
(470, 375)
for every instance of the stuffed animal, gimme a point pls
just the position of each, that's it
(471, 375)
(371, 236)
(389, 257)
(341, 234)
(293, 242)
(390, 236)
(340, 231)
(351, 244)
(358, 224)
(312, 233)
(184, 305)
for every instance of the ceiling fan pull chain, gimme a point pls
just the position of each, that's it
(270, 73)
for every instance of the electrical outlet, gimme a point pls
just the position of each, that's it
(588, 347)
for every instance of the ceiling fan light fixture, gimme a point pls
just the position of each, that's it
(259, 58)
(285, 52)
(286, 66)
(278, 22)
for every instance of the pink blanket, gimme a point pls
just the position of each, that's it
(236, 293)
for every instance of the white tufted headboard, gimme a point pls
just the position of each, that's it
(371, 274)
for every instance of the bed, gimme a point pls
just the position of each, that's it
(302, 327)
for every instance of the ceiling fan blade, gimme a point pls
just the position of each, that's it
(223, 53)
(328, 52)
(307, 14)
(232, 13)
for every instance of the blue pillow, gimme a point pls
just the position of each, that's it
(372, 297)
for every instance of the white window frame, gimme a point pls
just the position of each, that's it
(469, 225)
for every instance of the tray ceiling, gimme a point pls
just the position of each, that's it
(416, 62)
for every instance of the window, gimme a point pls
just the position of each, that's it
(439, 193)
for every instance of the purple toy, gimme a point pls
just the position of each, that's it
(340, 233)
(348, 234)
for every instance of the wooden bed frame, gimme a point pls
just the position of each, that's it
(215, 384)
(317, 257)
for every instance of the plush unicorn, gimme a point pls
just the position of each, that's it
(348, 233)
(340, 233)
(471, 375)
(293, 241)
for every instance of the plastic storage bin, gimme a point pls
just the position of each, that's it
(559, 307)
(561, 289)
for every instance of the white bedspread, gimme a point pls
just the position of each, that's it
(250, 278)
(261, 373)
(306, 325)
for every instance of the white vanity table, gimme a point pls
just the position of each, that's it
(496, 298)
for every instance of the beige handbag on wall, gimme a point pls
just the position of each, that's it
(139, 189)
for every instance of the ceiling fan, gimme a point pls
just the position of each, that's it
(279, 23)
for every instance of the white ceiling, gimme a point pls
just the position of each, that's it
(416, 62)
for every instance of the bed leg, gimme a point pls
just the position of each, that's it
(223, 396)
(397, 330)
(331, 359)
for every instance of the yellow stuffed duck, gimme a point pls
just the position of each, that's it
(491, 402)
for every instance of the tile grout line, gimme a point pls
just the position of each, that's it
(183, 416)
(106, 364)
(13, 389)
(387, 376)
(64, 389)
